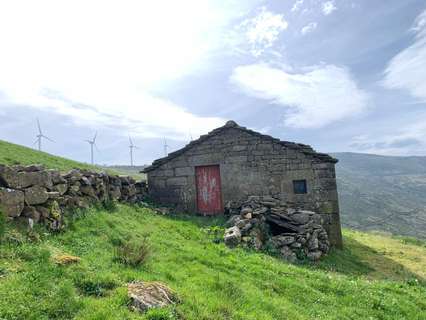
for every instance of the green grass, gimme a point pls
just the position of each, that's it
(11, 154)
(374, 277)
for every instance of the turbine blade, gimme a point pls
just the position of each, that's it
(39, 127)
(47, 138)
(94, 138)
(36, 141)
(96, 147)
(131, 142)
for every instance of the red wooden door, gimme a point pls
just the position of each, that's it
(209, 195)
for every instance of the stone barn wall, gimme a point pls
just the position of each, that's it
(250, 164)
(32, 192)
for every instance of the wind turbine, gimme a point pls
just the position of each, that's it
(92, 143)
(40, 136)
(132, 146)
(165, 147)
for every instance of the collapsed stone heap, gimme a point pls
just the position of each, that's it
(33, 192)
(267, 223)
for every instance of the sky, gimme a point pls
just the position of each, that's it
(340, 75)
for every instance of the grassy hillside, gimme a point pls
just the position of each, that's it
(375, 277)
(383, 193)
(134, 171)
(15, 154)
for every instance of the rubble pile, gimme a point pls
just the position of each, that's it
(264, 222)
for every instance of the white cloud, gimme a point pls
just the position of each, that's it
(408, 139)
(407, 69)
(313, 98)
(309, 28)
(142, 114)
(328, 7)
(297, 5)
(105, 58)
(420, 24)
(263, 30)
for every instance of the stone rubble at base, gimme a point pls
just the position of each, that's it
(265, 223)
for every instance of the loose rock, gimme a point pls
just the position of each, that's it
(232, 236)
(147, 295)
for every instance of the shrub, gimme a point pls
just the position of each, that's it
(97, 286)
(110, 205)
(28, 252)
(132, 253)
(160, 314)
(62, 303)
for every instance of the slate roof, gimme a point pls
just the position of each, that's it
(306, 149)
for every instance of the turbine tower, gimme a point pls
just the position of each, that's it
(132, 146)
(92, 143)
(40, 136)
(165, 147)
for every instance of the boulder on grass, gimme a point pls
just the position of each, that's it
(146, 295)
(232, 236)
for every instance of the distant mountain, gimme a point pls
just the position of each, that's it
(382, 193)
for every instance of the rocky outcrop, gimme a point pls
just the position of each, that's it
(267, 223)
(33, 192)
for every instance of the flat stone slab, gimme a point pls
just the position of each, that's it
(146, 295)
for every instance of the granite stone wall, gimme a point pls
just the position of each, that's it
(44, 196)
(250, 164)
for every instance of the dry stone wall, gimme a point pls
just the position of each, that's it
(44, 196)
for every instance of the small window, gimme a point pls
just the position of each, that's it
(299, 187)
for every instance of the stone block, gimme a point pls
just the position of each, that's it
(177, 181)
(264, 147)
(232, 159)
(88, 191)
(37, 178)
(185, 171)
(31, 212)
(36, 195)
(329, 207)
(238, 148)
(11, 202)
(8, 177)
(62, 188)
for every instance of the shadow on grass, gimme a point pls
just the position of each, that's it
(357, 259)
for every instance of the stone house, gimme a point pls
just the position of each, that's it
(232, 163)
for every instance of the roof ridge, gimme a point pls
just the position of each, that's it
(304, 148)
